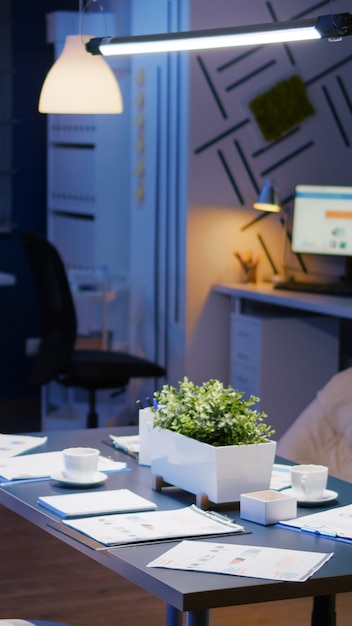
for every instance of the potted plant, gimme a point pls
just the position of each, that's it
(209, 440)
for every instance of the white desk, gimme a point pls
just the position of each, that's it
(284, 346)
(264, 292)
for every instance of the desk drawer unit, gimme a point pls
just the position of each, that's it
(246, 379)
(282, 360)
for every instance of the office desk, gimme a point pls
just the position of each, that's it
(284, 346)
(265, 293)
(192, 592)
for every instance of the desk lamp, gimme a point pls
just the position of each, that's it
(268, 200)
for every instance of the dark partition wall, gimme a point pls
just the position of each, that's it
(31, 58)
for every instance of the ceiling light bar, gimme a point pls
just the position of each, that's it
(332, 27)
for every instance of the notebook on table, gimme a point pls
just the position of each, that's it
(96, 503)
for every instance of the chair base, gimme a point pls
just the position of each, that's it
(92, 416)
(22, 622)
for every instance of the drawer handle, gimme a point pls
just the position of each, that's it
(242, 379)
(242, 356)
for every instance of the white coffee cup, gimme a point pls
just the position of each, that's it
(80, 464)
(308, 481)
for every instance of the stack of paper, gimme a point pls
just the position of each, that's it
(12, 445)
(280, 477)
(128, 444)
(155, 525)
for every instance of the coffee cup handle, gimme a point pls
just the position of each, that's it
(303, 482)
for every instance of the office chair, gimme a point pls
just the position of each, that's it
(322, 433)
(57, 359)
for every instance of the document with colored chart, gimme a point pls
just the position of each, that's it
(128, 528)
(242, 560)
(335, 523)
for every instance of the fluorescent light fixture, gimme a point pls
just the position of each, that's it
(332, 27)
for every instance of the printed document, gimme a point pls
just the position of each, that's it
(154, 526)
(242, 560)
(12, 445)
(335, 523)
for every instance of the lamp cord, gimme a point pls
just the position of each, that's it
(83, 8)
(80, 17)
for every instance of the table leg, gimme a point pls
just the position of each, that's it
(173, 616)
(323, 613)
(198, 618)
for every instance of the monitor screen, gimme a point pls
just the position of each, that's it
(322, 220)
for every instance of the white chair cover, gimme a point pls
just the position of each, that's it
(323, 431)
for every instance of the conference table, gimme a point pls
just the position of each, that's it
(186, 592)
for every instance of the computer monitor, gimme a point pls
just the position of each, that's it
(322, 220)
(322, 223)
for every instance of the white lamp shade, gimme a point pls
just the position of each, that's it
(80, 83)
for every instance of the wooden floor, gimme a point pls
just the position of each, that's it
(42, 578)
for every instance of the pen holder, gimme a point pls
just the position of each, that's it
(249, 274)
(146, 417)
(248, 262)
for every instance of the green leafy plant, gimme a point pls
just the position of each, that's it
(210, 413)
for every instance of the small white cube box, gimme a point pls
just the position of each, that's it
(267, 507)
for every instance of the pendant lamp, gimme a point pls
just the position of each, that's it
(80, 83)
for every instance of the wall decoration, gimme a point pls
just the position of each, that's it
(224, 134)
(280, 108)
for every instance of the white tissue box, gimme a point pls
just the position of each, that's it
(267, 507)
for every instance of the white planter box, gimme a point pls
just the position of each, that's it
(220, 473)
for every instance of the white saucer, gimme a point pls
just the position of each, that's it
(97, 479)
(328, 496)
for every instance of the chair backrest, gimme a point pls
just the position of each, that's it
(59, 324)
(322, 433)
